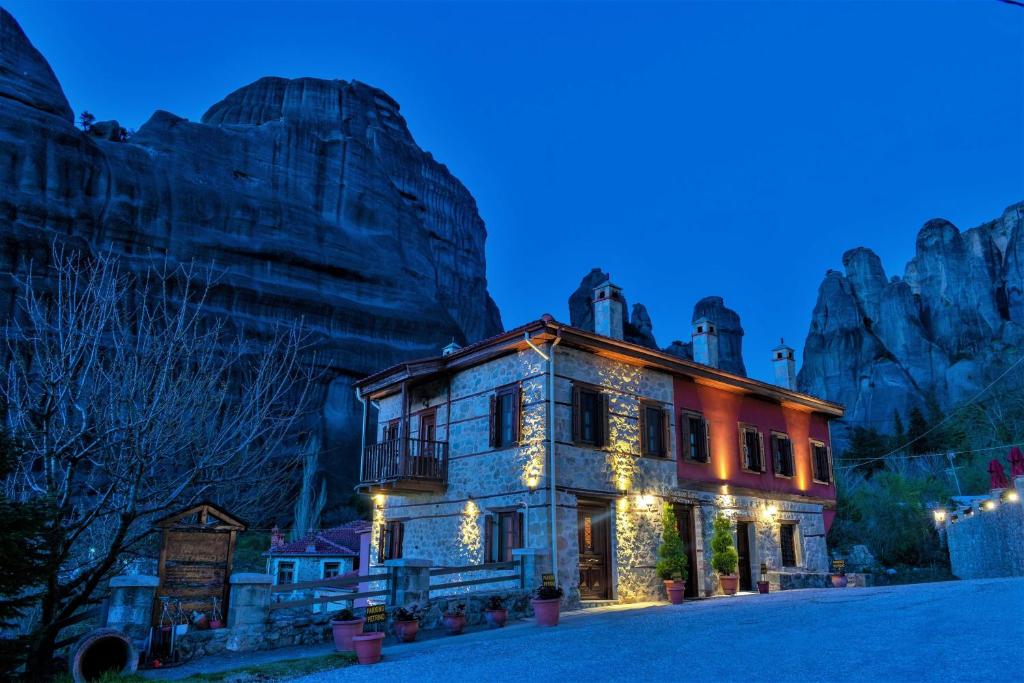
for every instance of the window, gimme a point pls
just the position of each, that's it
(821, 462)
(503, 531)
(505, 417)
(391, 431)
(589, 416)
(695, 437)
(653, 430)
(285, 572)
(751, 448)
(389, 545)
(787, 542)
(332, 569)
(782, 455)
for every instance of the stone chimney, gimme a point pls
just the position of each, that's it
(705, 342)
(276, 538)
(785, 365)
(608, 310)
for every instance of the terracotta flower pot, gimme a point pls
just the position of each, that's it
(839, 581)
(367, 647)
(547, 611)
(407, 630)
(729, 583)
(496, 618)
(344, 631)
(675, 590)
(454, 623)
(762, 587)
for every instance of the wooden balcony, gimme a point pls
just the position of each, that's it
(407, 465)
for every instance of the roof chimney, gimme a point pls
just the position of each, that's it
(608, 310)
(785, 365)
(450, 348)
(705, 342)
(276, 538)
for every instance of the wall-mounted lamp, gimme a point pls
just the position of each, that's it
(940, 515)
(378, 501)
(1010, 496)
(988, 505)
(531, 482)
(645, 501)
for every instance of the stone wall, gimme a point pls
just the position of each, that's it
(989, 543)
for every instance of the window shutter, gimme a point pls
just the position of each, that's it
(684, 437)
(601, 427)
(489, 538)
(517, 521)
(760, 453)
(576, 417)
(706, 436)
(666, 433)
(493, 438)
(777, 454)
(517, 421)
(744, 455)
(382, 540)
(643, 429)
(399, 538)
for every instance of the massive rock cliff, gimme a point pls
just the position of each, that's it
(639, 329)
(310, 197)
(948, 327)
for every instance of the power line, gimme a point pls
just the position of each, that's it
(858, 462)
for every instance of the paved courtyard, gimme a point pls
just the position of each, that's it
(968, 630)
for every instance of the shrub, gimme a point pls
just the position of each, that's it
(343, 615)
(495, 603)
(672, 561)
(455, 610)
(724, 557)
(549, 592)
(411, 613)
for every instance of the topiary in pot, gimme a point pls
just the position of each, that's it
(495, 612)
(672, 562)
(407, 623)
(724, 558)
(547, 605)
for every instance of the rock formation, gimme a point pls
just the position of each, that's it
(639, 328)
(310, 197)
(947, 328)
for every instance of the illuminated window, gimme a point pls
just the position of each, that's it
(505, 417)
(285, 572)
(331, 569)
(787, 542)
(653, 430)
(821, 462)
(782, 455)
(695, 437)
(589, 416)
(751, 448)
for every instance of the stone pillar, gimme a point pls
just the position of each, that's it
(534, 563)
(250, 596)
(131, 602)
(410, 580)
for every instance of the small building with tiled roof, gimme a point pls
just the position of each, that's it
(323, 554)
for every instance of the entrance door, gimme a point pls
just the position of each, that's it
(743, 550)
(593, 538)
(684, 518)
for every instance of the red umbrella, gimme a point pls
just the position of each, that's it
(1016, 462)
(998, 475)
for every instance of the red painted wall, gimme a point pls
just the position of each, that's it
(724, 410)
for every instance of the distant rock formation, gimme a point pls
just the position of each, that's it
(310, 196)
(639, 328)
(949, 326)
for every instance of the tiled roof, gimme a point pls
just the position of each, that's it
(339, 541)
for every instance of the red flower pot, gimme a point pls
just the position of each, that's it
(762, 587)
(454, 623)
(729, 583)
(547, 611)
(407, 630)
(839, 581)
(344, 631)
(367, 647)
(675, 590)
(216, 623)
(496, 618)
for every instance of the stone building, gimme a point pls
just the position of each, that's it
(322, 554)
(459, 460)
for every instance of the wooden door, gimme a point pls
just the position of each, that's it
(684, 519)
(743, 550)
(594, 551)
(428, 427)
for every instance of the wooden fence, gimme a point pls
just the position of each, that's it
(335, 583)
(515, 569)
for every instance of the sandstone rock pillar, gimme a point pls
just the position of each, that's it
(131, 602)
(410, 580)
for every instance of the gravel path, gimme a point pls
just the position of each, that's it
(969, 630)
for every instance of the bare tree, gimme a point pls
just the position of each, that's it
(130, 399)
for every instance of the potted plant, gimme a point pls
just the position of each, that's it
(763, 585)
(672, 562)
(455, 618)
(495, 612)
(367, 646)
(839, 574)
(724, 558)
(547, 605)
(407, 623)
(345, 626)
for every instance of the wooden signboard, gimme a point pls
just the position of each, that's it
(376, 613)
(838, 566)
(547, 580)
(197, 545)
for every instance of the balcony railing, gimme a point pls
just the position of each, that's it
(406, 464)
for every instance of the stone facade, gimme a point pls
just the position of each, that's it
(989, 543)
(447, 528)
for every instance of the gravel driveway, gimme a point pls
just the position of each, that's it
(969, 630)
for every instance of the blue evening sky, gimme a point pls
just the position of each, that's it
(689, 149)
